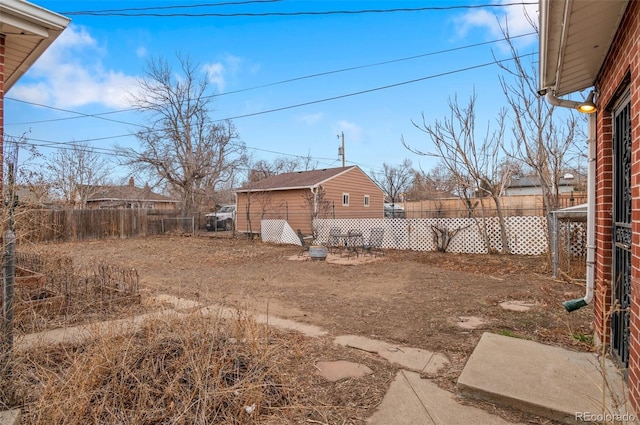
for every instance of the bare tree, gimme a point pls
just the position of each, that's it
(318, 206)
(262, 169)
(73, 173)
(542, 139)
(474, 164)
(183, 145)
(395, 180)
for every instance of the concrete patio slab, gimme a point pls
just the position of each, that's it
(547, 381)
(341, 369)
(514, 305)
(176, 303)
(415, 359)
(411, 400)
(277, 322)
(10, 417)
(79, 334)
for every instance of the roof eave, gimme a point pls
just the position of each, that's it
(271, 189)
(31, 20)
(575, 37)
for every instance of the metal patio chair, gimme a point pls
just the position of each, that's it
(304, 243)
(374, 245)
(334, 239)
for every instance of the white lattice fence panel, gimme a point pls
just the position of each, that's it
(527, 235)
(572, 237)
(468, 240)
(278, 231)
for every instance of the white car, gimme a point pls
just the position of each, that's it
(224, 218)
(393, 211)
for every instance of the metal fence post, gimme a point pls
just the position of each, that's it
(8, 265)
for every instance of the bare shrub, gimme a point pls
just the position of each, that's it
(71, 295)
(194, 370)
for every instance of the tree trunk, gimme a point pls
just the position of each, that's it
(503, 226)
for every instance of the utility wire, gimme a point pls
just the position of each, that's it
(313, 102)
(112, 152)
(125, 13)
(179, 6)
(290, 80)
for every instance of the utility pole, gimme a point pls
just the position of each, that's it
(341, 149)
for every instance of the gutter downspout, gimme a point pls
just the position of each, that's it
(572, 305)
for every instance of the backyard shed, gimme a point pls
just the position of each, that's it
(299, 197)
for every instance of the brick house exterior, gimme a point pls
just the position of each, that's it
(615, 128)
(344, 192)
(26, 31)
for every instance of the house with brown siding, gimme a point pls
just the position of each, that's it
(299, 197)
(594, 44)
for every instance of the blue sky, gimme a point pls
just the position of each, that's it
(98, 59)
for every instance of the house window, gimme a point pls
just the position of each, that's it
(345, 199)
(366, 200)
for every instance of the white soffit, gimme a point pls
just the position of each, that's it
(29, 30)
(575, 36)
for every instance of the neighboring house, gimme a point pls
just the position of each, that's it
(26, 31)
(34, 196)
(298, 197)
(531, 186)
(587, 44)
(128, 196)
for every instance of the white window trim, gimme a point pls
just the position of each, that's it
(345, 196)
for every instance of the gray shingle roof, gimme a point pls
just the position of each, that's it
(126, 193)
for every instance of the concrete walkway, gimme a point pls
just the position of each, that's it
(535, 378)
(412, 400)
(568, 386)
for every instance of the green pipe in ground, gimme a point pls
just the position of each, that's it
(573, 305)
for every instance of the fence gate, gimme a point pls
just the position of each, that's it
(621, 293)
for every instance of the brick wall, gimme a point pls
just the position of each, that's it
(619, 73)
(1, 106)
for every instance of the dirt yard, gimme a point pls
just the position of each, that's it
(418, 299)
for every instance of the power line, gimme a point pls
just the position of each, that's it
(313, 102)
(328, 99)
(182, 6)
(115, 152)
(68, 146)
(125, 13)
(286, 81)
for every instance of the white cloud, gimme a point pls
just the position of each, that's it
(311, 119)
(70, 74)
(219, 73)
(352, 131)
(516, 18)
(141, 52)
(215, 74)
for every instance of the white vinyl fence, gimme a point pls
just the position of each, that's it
(527, 235)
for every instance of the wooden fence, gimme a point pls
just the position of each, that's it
(37, 225)
(516, 205)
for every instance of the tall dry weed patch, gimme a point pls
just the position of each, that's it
(194, 370)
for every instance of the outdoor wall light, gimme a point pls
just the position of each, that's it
(588, 107)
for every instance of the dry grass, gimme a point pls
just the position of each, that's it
(201, 371)
(192, 370)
